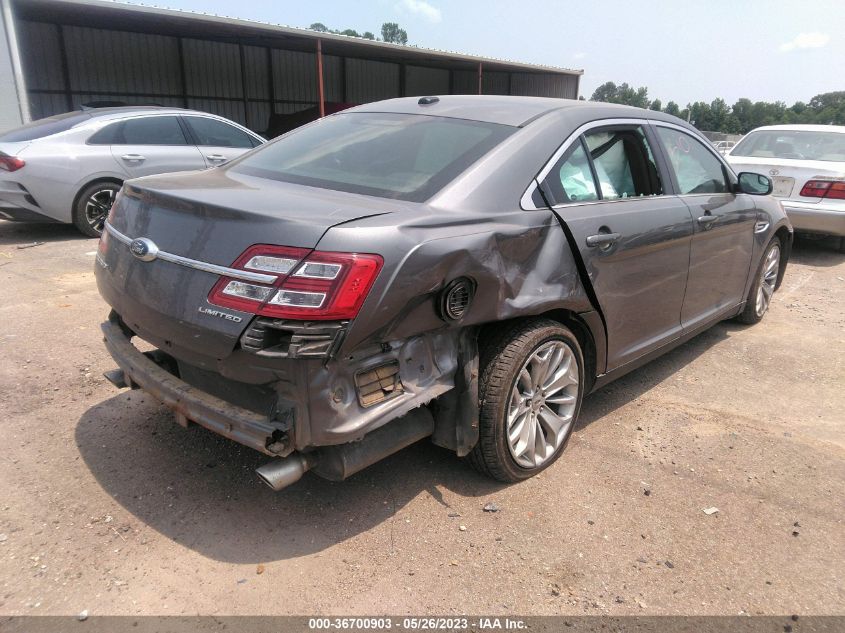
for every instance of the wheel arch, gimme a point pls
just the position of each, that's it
(785, 236)
(587, 328)
(99, 179)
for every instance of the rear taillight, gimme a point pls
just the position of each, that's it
(309, 284)
(831, 189)
(11, 163)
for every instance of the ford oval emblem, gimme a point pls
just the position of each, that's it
(143, 249)
(774, 172)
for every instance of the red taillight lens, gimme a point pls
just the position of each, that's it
(11, 163)
(310, 284)
(832, 189)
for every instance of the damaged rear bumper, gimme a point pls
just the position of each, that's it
(189, 403)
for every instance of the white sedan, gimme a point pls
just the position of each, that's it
(807, 166)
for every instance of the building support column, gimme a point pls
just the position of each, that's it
(480, 76)
(320, 89)
(15, 58)
(60, 38)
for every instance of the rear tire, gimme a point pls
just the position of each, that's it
(531, 387)
(763, 288)
(92, 207)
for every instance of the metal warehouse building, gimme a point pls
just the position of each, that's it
(60, 54)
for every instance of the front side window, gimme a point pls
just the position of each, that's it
(795, 144)
(606, 164)
(154, 130)
(214, 133)
(696, 169)
(401, 156)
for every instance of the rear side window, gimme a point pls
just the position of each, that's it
(45, 127)
(402, 156)
(154, 130)
(696, 169)
(214, 133)
(108, 135)
(606, 164)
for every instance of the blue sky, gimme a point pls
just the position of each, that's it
(786, 50)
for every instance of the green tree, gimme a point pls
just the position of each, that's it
(350, 33)
(390, 32)
(319, 27)
(623, 93)
(656, 105)
(672, 108)
(605, 92)
(367, 35)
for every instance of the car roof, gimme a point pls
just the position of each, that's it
(802, 128)
(123, 111)
(505, 110)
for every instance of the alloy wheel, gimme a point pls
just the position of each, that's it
(97, 207)
(768, 280)
(542, 404)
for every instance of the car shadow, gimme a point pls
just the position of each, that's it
(200, 489)
(623, 390)
(18, 233)
(815, 250)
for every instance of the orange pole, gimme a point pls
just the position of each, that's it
(479, 77)
(320, 89)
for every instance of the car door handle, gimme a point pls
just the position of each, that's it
(137, 157)
(602, 239)
(215, 157)
(707, 220)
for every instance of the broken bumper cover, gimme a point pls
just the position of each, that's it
(236, 423)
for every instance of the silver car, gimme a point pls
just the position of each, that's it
(69, 167)
(807, 166)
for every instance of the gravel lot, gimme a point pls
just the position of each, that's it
(110, 507)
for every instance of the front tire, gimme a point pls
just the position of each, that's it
(92, 207)
(531, 387)
(760, 295)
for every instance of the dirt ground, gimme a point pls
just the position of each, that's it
(108, 506)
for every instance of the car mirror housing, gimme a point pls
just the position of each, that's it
(754, 184)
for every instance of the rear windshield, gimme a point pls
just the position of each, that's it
(402, 156)
(801, 145)
(44, 127)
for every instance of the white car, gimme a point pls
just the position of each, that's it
(723, 147)
(69, 167)
(807, 166)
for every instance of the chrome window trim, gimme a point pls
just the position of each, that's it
(225, 271)
(527, 204)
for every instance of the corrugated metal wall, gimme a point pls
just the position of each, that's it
(67, 66)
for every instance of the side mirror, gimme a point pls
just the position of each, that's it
(754, 184)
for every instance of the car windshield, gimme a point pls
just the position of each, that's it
(44, 127)
(402, 156)
(796, 144)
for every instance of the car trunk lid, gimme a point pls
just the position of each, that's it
(789, 175)
(207, 218)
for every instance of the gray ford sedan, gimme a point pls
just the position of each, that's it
(459, 268)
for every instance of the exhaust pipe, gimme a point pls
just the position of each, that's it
(281, 473)
(336, 463)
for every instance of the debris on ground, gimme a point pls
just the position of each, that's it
(83, 615)
(30, 245)
(462, 528)
(491, 507)
(259, 569)
(669, 564)
(709, 511)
